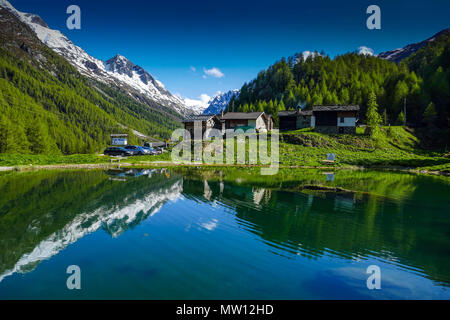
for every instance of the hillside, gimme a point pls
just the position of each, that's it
(47, 106)
(432, 64)
(421, 81)
(399, 54)
(320, 80)
(395, 146)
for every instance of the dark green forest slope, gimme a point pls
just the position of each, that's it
(422, 79)
(47, 106)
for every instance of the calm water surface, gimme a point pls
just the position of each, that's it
(159, 234)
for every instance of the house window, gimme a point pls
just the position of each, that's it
(341, 119)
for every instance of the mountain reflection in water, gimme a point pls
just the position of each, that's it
(42, 213)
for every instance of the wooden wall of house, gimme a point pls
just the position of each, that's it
(326, 118)
(233, 123)
(288, 123)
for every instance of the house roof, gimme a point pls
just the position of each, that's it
(290, 113)
(306, 113)
(287, 113)
(242, 115)
(336, 108)
(199, 117)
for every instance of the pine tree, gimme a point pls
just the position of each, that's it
(372, 115)
(38, 137)
(385, 117)
(290, 101)
(4, 126)
(429, 115)
(400, 119)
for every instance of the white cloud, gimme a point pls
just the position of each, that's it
(365, 51)
(211, 225)
(213, 72)
(193, 69)
(199, 104)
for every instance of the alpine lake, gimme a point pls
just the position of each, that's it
(224, 233)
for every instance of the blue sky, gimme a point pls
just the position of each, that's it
(177, 41)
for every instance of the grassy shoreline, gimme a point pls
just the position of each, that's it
(395, 149)
(157, 164)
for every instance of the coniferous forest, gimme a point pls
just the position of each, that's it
(48, 107)
(419, 82)
(43, 113)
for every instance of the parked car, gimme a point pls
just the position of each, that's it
(137, 150)
(151, 151)
(117, 151)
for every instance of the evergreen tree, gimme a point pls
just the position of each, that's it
(429, 115)
(38, 137)
(372, 115)
(400, 119)
(385, 117)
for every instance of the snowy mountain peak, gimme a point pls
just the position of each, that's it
(118, 71)
(120, 65)
(366, 51)
(220, 101)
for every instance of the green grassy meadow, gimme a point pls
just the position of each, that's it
(394, 147)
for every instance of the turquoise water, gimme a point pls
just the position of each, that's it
(159, 234)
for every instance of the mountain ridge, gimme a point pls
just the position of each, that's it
(139, 83)
(397, 55)
(220, 101)
(48, 107)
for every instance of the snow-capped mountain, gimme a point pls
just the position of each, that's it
(365, 51)
(117, 71)
(399, 54)
(219, 101)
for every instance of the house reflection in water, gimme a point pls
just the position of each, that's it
(255, 195)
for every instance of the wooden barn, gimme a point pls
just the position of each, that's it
(206, 122)
(256, 120)
(335, 119)
(294, 119)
